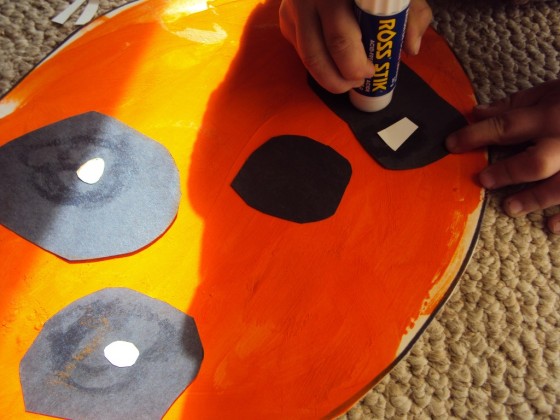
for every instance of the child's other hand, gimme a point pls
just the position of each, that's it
(327, 38)
(530, 115)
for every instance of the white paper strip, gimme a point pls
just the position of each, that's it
(395, 135)
(89, 12)
(69, 11)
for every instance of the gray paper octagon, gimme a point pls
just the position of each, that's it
(65, 372)
(43, 200)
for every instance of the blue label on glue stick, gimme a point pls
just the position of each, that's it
(382, 37)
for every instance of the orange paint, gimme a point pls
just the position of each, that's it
(296, 320)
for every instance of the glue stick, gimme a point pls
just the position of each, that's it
(383, 24)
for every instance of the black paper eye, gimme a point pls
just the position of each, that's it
(413, 99)
(66, 373)
(47, 200)
(294, 178)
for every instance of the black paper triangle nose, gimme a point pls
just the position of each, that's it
(294, 178)
(43, 199)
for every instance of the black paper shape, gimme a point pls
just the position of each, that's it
(43, 200)
(294, 178)
(413, 98)
(65, 372)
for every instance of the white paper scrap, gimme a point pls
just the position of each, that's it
(395, 135)
(89, 12)
(69, 11)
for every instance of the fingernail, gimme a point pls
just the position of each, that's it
(487, 180)
(514, 208)
(482, 107)
(555, 227)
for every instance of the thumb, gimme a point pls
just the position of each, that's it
(419, 18)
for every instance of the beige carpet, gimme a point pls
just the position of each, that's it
(493, 351)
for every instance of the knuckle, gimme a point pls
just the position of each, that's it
(551, 119)
(344, 53)
(316, 64)
(499, 126)
(312, 61)
(508, 172)
(540, 198)
(336, 88)
(538, 164)
(425, 13)
(508, 102)
(428, 14)
(339, 44)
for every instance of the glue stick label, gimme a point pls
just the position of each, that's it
(382, 37)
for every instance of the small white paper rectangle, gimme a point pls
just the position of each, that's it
(69, 11)
(395, 135)
(89, 12)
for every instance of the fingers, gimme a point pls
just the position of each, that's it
(328, 41)
(343, 39)
(536, 163)
(533, 164)
(327, 38)
(522, 99)
(316, 58)
(294, 17)
(538, 197)
(523, 116)
(514, 126)
(419, 18)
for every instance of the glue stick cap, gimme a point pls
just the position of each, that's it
(370, 103)
(383, 24)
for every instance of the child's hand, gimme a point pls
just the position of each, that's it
(326, 35)
(530, 115)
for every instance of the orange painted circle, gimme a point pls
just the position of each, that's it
(297, 320)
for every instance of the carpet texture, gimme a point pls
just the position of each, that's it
(493, 351)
